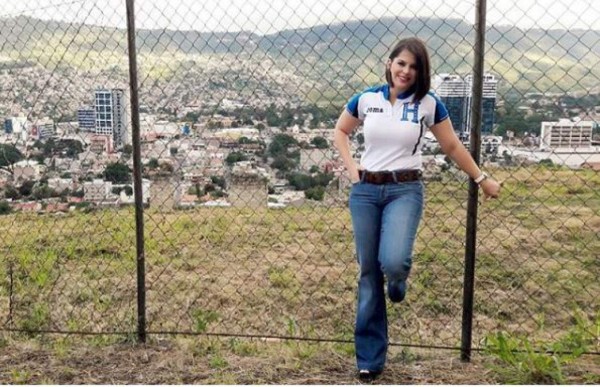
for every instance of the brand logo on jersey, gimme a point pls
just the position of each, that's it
(406, 109)
(374, 110)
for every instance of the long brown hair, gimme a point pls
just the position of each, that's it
(416, 47)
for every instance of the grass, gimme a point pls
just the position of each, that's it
(292, 272)
(521, 361)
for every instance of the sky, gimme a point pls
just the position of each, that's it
(262, 16)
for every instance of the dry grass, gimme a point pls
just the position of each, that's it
(292, 272)
(213, 361)
(205, 360)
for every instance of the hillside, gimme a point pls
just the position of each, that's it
(334, 59)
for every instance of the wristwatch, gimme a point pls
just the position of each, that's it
(481, 178)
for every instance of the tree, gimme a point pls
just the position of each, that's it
(5, 207)
(9, 155)
(315, 193)
(192, 116)
(43, 192)
(127, 151)
(283, 163)
(234, 157)
(320, 142)
(219, 181)
(117, 173)
(152, 163)
(26, 188)
(360, 138)
(280, 144)
(11, 192)
(300, 181)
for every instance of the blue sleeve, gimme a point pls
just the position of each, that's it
(441, 113)
(352, 105)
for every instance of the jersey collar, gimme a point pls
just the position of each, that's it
(403, 95)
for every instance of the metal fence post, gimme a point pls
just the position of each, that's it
(475, 142)
(137, 174)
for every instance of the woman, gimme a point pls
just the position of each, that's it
(386, 200)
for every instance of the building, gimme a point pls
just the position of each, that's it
(488, 109)
(101, 144)
(566, 134)
(8, 126)
(27, 170)
(17, 126)
(86, 117)
(98, 190)
(111, 115)
(45, 128)
(456, 93)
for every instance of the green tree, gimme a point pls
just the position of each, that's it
(271, 116)
(192, 116)
(43, 192)
(218, 180)
(26, 188)
(360, 138)
(234, 157)
(10, 192)
(117, 173)
(280, 144)
(300, 181)
(5, 207)
(283, 163)
(320, 142)
(152, 163)
(9, 155)
(315, 193)
(127, 151)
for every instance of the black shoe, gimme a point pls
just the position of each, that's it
(367, 376)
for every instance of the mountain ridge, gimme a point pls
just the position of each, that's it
(525, 60)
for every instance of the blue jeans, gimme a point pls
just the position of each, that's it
(385, 219)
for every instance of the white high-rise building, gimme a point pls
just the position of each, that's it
(111, 115)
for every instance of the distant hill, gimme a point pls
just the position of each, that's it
(337, 59)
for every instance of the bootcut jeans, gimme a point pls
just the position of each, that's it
(385, 218)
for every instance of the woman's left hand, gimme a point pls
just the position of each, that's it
(490, 188)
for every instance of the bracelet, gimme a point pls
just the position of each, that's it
(481, 178)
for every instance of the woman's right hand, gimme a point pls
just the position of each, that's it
(353, 172)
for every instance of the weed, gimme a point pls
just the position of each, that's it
(520, 363)
(243, 348)
(202, 318)
(526, 363)
(20, 377)
(37, 319)
(281, 277)
(218, 362)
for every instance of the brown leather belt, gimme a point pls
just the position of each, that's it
(385, 177)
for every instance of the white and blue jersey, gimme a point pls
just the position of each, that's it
(394, 134)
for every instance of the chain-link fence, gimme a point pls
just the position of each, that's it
(246, 229)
